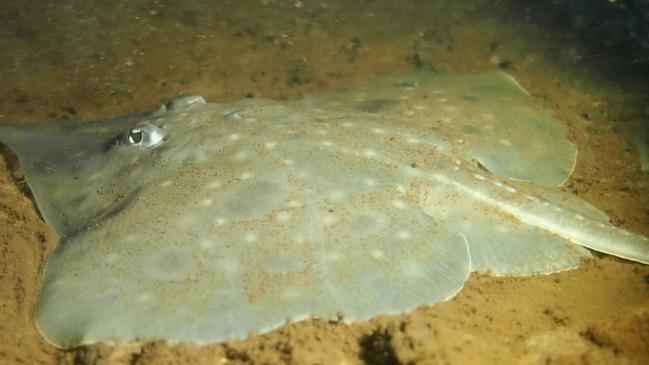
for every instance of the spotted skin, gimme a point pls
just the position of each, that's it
(237, 217)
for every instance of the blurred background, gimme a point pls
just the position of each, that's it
(86, 58)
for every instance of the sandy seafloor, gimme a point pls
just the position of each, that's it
(85, 60)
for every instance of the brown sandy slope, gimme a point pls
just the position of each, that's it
(96, 59)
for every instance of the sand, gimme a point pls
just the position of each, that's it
(87, 60)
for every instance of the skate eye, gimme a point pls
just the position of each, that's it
(135, 136)
(144, 135)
